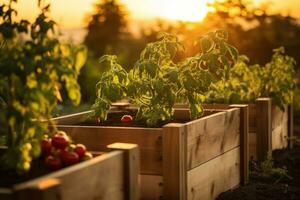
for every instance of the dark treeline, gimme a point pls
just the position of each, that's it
(251, 29)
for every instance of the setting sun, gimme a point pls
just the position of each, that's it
(189, 10)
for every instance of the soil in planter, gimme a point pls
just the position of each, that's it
(114, 119)
(10, 177)
(272, 188)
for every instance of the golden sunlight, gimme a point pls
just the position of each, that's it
(185, 10)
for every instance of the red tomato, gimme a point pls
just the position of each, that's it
(60, 141)
(46, 147)
(53, 163)
(80, 149)
(69, 158)
(98, 120)
(126, 119)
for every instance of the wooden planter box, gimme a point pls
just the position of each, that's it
(108, 176)
(269, 127)
(194, 160)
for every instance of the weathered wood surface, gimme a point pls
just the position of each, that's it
(98, 137)
(263, 128)
(269, 127)
(151, 187)
(208, 180)
(211, 136)
(280, 129)
(131, 168)
(101, 177)
(174, 157)
(252, 146)
(244, 141)
(170, 152)
(290, 126)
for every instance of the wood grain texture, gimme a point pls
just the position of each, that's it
(252, 118)
(48, 189)
(149, 140)
(290, 126)
(174, 161)
(244, 141)
(252, 146)
(211, 136)
(151, 187)
(280, 130)
(168, 153)
(99, 178)
(263, 128)
(131, 168)
(208, 180)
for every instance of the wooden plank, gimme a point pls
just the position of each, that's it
(290, 126)
(244, 141)
(211, 136)
(99, 178)
(216, 106)
(6, 194)
(48, 189)
(174, 161)
(151, 187)
(208, 180)
(72, 119)
(252, 146)
(132, 168)
(279, 127)
(263, 128)
(252, 117)
(148, 139)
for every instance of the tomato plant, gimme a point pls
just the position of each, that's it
(242, 84)
(156, 82)
(278, 78)
(245, 83)
(34, 67)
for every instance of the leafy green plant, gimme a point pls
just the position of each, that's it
(278, 78)
(241, 85)
(245, 83)
(267, 169)
(32, 72)
(156, 82)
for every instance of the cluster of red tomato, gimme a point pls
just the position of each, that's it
(59, 152)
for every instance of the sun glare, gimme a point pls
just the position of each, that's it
(185, 10)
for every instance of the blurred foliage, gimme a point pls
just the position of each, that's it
(278, 78)
(241, 85)
(106, 27)
(156, 82)
(33, 73)
(246, 83)
(253, 30)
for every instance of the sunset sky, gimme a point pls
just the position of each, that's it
(71, 13)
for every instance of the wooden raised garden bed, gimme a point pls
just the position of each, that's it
(108, 176)
(198, 159)
(269, 127)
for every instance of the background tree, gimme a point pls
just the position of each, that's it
(106, 34)
(106, 27)
(253, 30)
